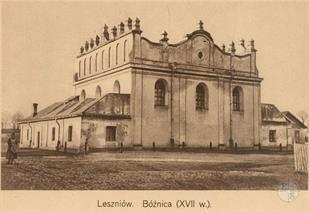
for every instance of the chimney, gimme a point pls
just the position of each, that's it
(35, 109)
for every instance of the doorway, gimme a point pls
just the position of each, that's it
(38, 139)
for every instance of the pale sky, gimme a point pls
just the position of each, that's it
(40, 42)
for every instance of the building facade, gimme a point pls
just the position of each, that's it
(192, 92)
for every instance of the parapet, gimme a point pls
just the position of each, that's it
(107, 36)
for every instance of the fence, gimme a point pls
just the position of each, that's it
(301, 157)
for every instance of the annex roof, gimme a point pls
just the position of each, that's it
(271, 114)
(71, 107)
(294, 120)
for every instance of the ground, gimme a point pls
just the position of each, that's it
(147, 170)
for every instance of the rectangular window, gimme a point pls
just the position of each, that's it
(272, 135)
(53, 133)
(27, 134)
(70, 131)
(110, 133)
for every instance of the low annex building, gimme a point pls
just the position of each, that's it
(134, 91)
(281, 128)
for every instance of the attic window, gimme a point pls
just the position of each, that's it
(200, 55)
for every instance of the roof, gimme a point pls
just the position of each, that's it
(271, 114)
(294, 120)
(73, 107)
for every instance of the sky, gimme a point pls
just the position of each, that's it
(40, 42)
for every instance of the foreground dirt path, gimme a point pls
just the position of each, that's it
(152, 171)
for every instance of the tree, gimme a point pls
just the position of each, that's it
(5, 119)
(16, 117)
(303, 115)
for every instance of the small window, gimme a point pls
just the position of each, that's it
(27, 134)
(117, 47)
(116, 87)
(109, 57)
(96, 62)
(102, 60)
(70, 131)
(200, 55)
(110, 133)
(79, 68)
(90, 64)
(272, 135)
(53, 133)
(124, 50)
(85, 64)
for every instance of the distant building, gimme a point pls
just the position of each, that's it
(134, 91)
(280, 127)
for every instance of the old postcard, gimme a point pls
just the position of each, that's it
(161, 106)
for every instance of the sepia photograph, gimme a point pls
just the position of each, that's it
(155, 96)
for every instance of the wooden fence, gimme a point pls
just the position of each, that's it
(301, 157)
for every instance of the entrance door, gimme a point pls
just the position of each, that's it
(38, 139)
(297, 136)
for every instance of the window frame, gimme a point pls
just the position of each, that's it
(160, 93)
(272, 136)
(201, 97)
(110, 133)
(237, 99)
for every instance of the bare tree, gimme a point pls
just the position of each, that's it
(5, 119)
(16, 117)
(303, 115)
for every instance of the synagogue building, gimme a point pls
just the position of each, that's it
(136, 92)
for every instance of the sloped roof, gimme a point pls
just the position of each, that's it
(70, 107)
(271, 114)
(294, 120)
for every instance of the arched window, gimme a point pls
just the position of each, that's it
(98, 92)
(96, 62)
(116, 88)
(160, 92)
(85, 65)
(90, 63)
(102, 60)
(124, 50)
(79, 68)
(201, 96)
(83, 95)
(109, 57)
(117, 47)
(237, 99)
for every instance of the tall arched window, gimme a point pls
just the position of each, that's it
(237, 99)
(160, 92)
(79, 68)
(90, 63)
(117, 47)
(201, 96)
(98, 92)
(116, 88)
(102, 60)
(96, 62)
(124, 50)
(109, 57)
(83, 95)
(85, 65)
